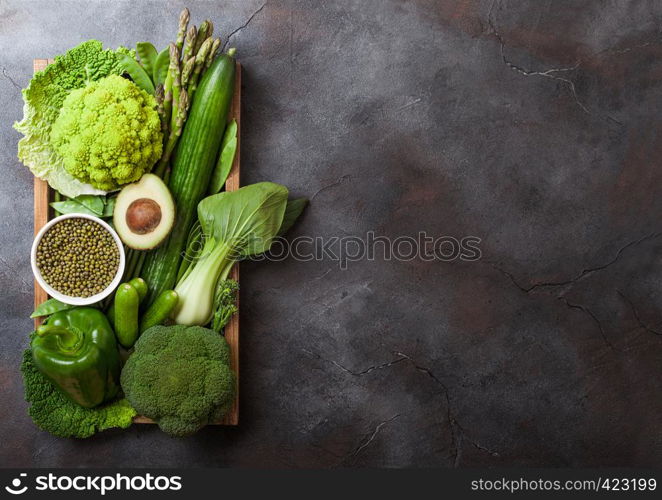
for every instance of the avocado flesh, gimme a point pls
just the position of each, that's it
(144, 213)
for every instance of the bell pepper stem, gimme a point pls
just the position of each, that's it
(68, 340)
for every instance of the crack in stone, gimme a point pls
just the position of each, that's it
(369, 438)
(458, 433)
(337, 182)
(240, 28)
(6, 75)
(550, 73)
(583, 274)
(595, 319)
(635, 313)
(353, 372)
(625, 50)
(322, 275)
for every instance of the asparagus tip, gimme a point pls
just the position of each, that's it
(183, 99)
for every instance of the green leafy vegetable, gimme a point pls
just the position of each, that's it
(108, 133)
(53, 412)
(225, 304)
(42, 102)
(147, 54)
(109, 207)
(50, 306)
(94, 203)
(98, 206)
(225, 159)
(137, 73)
(292, 212)
(71, 207)
(235, 224)
(180, 376)
(160, 69)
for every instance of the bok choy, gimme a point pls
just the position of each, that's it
(235, 225)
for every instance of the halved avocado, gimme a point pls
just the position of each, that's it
(144, 213)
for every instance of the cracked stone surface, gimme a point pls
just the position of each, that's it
(532, 125)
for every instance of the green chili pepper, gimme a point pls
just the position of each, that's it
(77, 351)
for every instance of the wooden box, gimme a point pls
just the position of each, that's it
(42, 213)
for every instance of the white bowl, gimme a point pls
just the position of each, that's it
(77, 301)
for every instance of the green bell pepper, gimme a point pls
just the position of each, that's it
(77, 351)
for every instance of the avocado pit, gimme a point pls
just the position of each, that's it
(143, 216)
(144, 213)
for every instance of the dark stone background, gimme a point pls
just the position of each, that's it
(532, 125)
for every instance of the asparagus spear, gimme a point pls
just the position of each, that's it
(182, 112)
(189, 45)
(183, 24)
(167, 89)
(212, 52)
(200, 58)
(159, 95)
(175, 71)
(175, 132)
(139, 265)
(203, 33)
(187, 70)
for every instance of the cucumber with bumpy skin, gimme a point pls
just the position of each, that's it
(127, 302)
(160, 310)
(192, 169)
(140, 286)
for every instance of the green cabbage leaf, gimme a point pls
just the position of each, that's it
(43, 99)
(53, 412)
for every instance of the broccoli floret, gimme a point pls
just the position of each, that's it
(108, 133)
(225, 303)
(180, 377)
(55, 413)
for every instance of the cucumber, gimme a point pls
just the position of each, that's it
(140, 286)
(192, 168)
(160, 310)
(127, 302)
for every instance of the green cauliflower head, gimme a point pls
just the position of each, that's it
(180, 377)
(108, 133)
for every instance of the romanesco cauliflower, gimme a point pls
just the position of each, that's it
(108, 133)
(43, 99)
